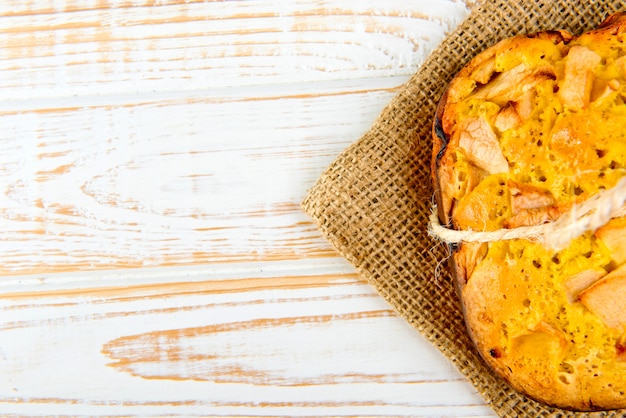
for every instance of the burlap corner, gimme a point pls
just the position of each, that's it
(373, 202)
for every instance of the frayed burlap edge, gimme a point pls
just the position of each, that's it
(374, 200)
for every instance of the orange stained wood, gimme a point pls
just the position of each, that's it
(188, 354)
(181, 287)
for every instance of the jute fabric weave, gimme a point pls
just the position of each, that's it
(374, 200)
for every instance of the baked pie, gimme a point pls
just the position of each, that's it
(531, 129)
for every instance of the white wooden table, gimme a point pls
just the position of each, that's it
(154, 258)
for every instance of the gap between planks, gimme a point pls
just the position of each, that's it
(180, 278)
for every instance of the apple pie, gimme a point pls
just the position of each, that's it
(529, 130)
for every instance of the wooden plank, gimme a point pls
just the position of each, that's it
(153, 257)
(144, 134)
(114, 185)
(70, 47)
(281, 345)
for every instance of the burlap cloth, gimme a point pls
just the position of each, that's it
(373, 202)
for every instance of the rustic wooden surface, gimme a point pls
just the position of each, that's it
(154, 258)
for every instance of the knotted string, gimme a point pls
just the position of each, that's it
(593, 213)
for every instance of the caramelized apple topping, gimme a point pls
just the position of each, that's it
(575, 284)
(510, 86)
(578, 80)
(480, 143)
(605, 298)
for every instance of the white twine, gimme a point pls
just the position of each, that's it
(588, 216)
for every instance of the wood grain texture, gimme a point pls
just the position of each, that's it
(66, 48)
(154, 260)
(133, 186)
(317, 344)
